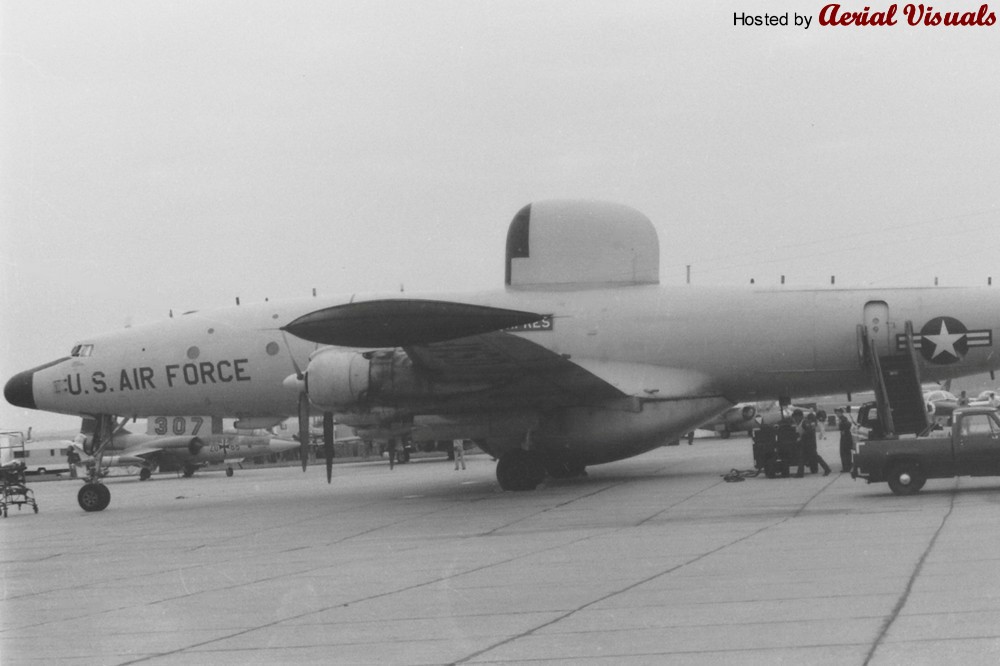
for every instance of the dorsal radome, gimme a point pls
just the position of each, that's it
(581, 245)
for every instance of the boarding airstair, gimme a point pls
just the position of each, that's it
(896, 382)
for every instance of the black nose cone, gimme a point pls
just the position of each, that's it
(19, 390)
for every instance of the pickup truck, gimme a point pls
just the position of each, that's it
(970, 447)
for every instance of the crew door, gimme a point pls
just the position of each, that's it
(877, 322)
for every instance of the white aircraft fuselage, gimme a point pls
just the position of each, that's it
(649, 341)
(600, 363)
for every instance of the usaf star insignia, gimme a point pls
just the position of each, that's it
(945, 340)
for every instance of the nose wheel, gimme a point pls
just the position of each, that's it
(94, 497)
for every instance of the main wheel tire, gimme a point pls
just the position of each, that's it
(145, 473)
(91, 497)
(519, 470)
(905, 478)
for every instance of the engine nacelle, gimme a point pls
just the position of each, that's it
(337, 379)
(343, 380)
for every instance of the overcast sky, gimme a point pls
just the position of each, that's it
(160, 155)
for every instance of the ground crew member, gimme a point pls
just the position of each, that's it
(458, 446)
(391, 448)
(810, 455)
(72, 459)
(846, 440)
(799, 457)
(821, 424)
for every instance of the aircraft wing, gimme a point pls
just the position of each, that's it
(142, 451)
(462, 344)
(512, 367)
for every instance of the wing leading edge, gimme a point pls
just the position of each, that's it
(402, 322)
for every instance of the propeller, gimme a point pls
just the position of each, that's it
(328, 443)
(304, 428)
(298, 381)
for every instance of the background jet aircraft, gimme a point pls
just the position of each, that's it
(941, 403)
(747, 416)
(583, 358)
(738, 418)
(185, 453)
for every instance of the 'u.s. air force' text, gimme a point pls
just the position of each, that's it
(144, 378)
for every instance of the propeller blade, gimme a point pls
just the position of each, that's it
(295, 365)
(328, 444)
(304, 428)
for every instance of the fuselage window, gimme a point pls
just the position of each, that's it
(82, 350)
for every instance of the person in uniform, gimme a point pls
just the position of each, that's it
(846, 440)
(810, 456)
(390, 447)
(72, 459)
(458, 446)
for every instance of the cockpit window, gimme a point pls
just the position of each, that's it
(82, 350)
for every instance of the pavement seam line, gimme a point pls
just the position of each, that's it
(654, 576)
(901, 602)
(615, 593)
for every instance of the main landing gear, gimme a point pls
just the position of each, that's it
(518, 469)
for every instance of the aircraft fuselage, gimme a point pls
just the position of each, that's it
(744, 344)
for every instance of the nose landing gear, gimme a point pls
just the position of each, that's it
(93, 497)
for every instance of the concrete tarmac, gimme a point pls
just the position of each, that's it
(653, 560)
